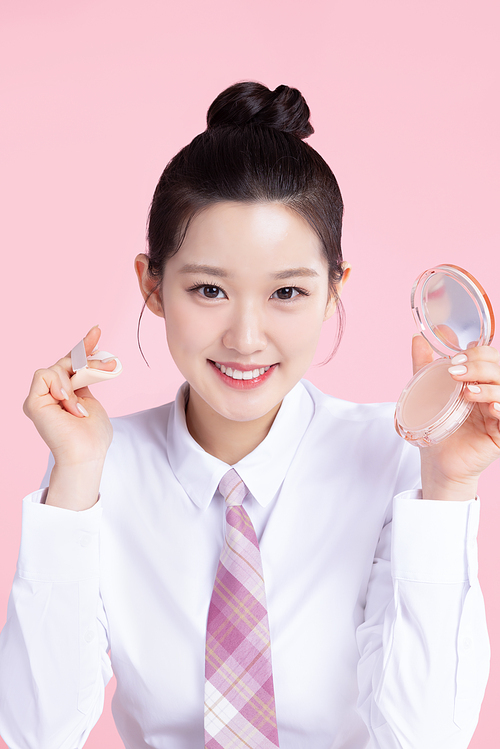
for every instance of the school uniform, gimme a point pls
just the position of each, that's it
(378, 633)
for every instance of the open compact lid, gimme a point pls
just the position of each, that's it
(451, 310)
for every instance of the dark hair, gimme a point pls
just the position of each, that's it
(252, 151)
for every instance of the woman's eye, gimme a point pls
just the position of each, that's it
(287, 292)
(211, 292)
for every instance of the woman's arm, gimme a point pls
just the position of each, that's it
(451, 469)
(424, 651)
(53, 649)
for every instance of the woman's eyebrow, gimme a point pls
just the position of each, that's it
(294, 272)
(209, 270)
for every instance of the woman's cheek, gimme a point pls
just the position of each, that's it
(191, 327)
(301, 332)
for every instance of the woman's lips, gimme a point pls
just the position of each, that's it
(242, 379)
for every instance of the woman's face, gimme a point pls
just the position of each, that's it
(244, 300)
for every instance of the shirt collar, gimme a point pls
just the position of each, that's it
(263, 470)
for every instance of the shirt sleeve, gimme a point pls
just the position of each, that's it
(424, 649)
(54, 663)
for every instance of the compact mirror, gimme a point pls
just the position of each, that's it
(453, 313)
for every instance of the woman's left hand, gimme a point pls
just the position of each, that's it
(451, 469)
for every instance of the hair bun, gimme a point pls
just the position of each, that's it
(250, 103)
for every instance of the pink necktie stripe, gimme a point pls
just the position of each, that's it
(239, 694)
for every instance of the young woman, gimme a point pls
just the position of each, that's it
(256, 561)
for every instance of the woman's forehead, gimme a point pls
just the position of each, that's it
(233, 237)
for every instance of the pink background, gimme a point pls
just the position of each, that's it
(98, 95)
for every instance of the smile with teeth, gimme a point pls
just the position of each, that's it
(238, 374)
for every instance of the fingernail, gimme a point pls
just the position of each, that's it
(496, 406)
(457, 370)
(459, 359)
(110, 358)
(474, 388)
(92, 328)
(82, 410)
(64, 394)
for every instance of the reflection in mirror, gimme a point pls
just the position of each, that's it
(451, 312)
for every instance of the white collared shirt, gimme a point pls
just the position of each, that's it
(376, 617)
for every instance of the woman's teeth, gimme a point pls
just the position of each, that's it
(238, 374)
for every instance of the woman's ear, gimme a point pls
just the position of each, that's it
(148, 285)
(332, 301)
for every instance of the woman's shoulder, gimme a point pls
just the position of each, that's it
(349, 411)
(141, 428)
(343, 433)
(147, 416)
(366, 427)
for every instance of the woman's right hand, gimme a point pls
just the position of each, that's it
(73, 423)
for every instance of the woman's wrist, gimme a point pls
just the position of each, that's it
(75, 487)
(437, 484)
(443, 489)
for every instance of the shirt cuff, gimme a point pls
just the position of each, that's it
(58, 545)
(432, 541)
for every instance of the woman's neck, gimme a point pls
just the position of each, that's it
(223, 438)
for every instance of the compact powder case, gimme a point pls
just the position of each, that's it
(453, 313)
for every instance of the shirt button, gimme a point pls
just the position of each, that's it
(467, 643)
(89, 636)
(84, 540)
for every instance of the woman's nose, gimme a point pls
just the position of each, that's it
(245, 332)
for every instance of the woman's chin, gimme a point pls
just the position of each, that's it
(245, 414)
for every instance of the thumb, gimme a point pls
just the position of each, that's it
(421, 353)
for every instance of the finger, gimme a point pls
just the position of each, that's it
(476, 371)
(48, 389)
(71, 402)
(91, 340)
(488, 399)
(478, 353)
(103, 365)
(447, 335)
(46, 382)
(421, 353)
(487, 394)
(73, 396)
(106, 365)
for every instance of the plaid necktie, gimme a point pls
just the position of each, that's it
(239, 693)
